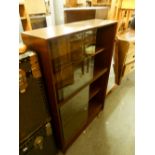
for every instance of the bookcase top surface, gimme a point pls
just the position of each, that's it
(66, 29)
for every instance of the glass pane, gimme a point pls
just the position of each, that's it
(74, 113)
(73, 68)
(73, 78)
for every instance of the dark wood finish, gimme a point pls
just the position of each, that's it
(76, 15)
(106, 40)
(70, 28)
(53, 60)
(94, 108)
(84, 13)
(94, 92)
(41, 46)
(98, 72)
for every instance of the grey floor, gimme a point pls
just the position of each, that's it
(112, 132)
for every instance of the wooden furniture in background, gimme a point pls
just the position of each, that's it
(78, 15)
(124, 18)
(71, 3)
(32, 14)
(124, 56)
(25, 20)
(75, 60)
(101, 2)
(122, 10)
(76, 3)
(85, 13)
(35, 7)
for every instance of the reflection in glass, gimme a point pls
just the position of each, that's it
(74, 113)
(73, 62)
(76, 79)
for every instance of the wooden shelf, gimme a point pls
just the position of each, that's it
(94, 52)
(98, 73)
(93, 92)
(94, 108)
(99, 50)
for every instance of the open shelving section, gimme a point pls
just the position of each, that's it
(75, 60)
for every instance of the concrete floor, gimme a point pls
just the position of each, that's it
(112, 132)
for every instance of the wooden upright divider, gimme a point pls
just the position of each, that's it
(76, 72)
(24, 17)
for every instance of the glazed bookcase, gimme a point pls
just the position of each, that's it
(75, 60)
